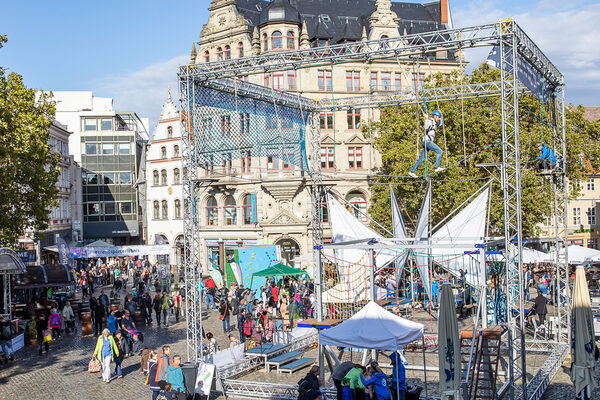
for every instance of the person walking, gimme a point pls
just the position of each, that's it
(163, 363)
(127, 326)
(55, 322)
(106, 350)
(99, 319)
(69, 317)
(212, 346)
(177, 304)
(41, 326)
(165, 304)
(240, 323)
(225, 312)
(308, 387)
(121, 344)
(211, 290)
(152, 375)
(156, 306)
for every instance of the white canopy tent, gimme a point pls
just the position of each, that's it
(373, 327)
(577, 255)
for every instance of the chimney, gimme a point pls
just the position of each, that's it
(445, 12)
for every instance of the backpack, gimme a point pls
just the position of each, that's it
(54, 319)
(248, 328)
(304, 388)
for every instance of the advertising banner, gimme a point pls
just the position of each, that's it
(119, 251)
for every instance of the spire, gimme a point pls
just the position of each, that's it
(304, 42)
(169, 109)
(364, 34)
(193, 55)
(255, 41)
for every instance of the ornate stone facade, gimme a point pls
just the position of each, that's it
(251, 27)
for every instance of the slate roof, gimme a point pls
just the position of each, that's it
(344, 19)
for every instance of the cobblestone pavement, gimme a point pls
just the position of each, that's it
(562, 388)
(62, 373)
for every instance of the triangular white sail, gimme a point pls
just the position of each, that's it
(421, 236)
(468, 224)
(346, 227)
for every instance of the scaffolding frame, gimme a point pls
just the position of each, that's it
(514, 45)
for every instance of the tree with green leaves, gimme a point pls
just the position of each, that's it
(28, 166)
(471, 134)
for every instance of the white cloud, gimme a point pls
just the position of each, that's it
(564, 31)
(143, 91)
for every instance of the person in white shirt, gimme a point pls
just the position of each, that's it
(431, 126)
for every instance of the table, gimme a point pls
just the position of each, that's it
(265, 350)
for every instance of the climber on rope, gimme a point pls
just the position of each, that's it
(431, 126)
(547, 159)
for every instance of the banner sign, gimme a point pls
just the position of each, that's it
(527, 74)
(206, 374)
(254, 216)
(64, 256)
(119, 251)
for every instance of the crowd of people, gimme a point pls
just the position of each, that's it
(357, 382)
(258, 316)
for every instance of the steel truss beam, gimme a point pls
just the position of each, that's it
(372, 50)
(406, 97)
(513, 45)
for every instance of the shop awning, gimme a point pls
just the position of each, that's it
(37, 276)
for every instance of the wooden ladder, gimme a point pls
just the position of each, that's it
(484, 364)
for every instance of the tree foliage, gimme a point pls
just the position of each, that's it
(28, 166)
(472, 135)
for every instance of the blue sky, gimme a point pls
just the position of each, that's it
(129, 50)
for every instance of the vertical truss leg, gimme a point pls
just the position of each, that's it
(190, 222)
(511, 187)
(317, 197)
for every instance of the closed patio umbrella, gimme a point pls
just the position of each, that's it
(449, 345)
(582, 336)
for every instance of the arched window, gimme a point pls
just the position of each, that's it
(163, 177)
(359, 205)
(163, 152)
(165, 210)
(176, 177)
(291, 40)
(265, 42)
(229, 210)
(155, 178)
(177, 209)
(169, 131)
(175, 151)
(206, 56)
(277, 40)
(227, 52)
(247, 210)
(212, 211)
(156, 210)
(219, 54)
(241, 49)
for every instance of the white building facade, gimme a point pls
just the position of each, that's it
(164, 200)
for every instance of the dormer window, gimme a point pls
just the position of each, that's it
(323, 42)
(277, 40)
(325, 18)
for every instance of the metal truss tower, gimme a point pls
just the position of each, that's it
(516, 49)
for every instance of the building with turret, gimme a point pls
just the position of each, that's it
(241, 28)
